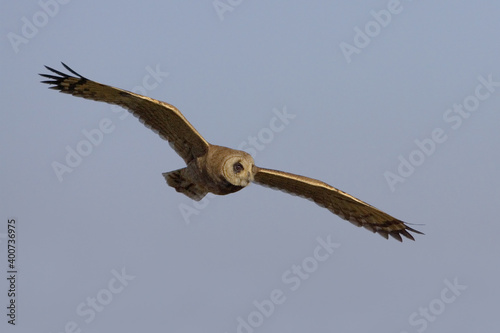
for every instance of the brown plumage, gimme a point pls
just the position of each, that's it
(221, 170)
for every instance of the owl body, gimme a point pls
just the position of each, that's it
(220, 171)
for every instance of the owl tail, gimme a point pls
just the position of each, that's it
(179, 179)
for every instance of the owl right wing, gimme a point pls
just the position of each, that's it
(340, 203)
(159, 116)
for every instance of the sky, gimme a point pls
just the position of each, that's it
(394, 102)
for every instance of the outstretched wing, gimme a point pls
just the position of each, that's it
(161, 117)
(340, 203)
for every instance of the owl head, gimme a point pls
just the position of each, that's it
(238, 169)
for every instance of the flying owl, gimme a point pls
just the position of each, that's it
(221, 170)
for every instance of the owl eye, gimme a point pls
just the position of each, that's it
(237, 167)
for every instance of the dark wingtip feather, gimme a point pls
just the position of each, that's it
(57, 72)
(49, 82)
(50, 76)
(56, 88)
(414, 230)
(407, 234)
(72, 71)
(396, 235)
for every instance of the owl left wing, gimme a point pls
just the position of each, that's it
(340, 203)
(159, 116)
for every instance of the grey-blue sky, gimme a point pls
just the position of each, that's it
(352, 122)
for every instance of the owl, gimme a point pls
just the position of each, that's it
(221, 170)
